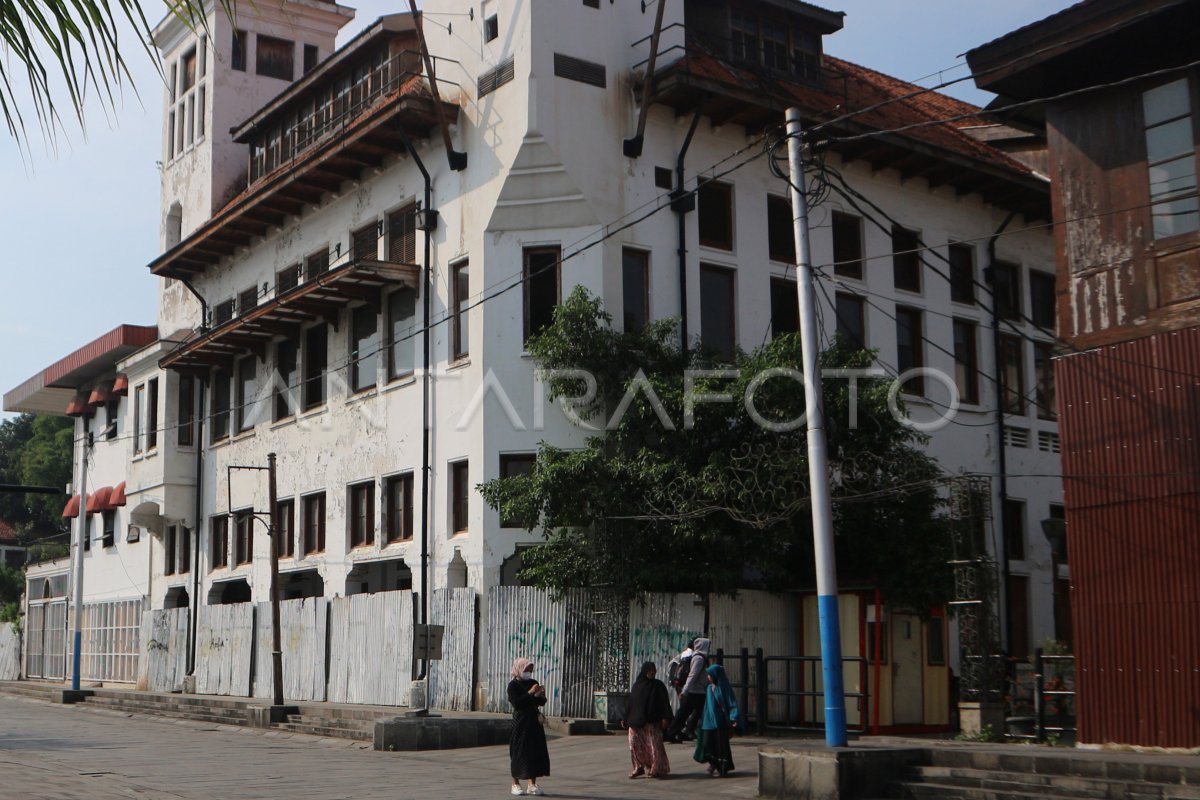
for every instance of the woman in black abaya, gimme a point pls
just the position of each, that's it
(527, 747)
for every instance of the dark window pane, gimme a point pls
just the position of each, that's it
(785, 307)
(715, 203)
(364, 343)
(152, 414)
(541, 288)
(238, 60)
(402, 339)
(310, 57)
(315, 360)
(909, 350)
(1018, 615)
(275, 58)
(513, 465)
(247, 391)
(906, 260)
(1014, 529)
(962, 273)
(187, 410)
(399, 508)
(460, 296)
(1041, 299)
(635, 288)
(850, 322)
(1012, 375)
(847, 245)
(220, 405)
(781, 241)
(459, 495)
(286, 379)
(314, 523)
(937, 641)
(1046, 396)
(285, 535)
(362, 515)
(717, 327)
(1006, 289)
(966, 362)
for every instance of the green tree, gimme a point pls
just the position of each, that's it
(35, 451)
(712, 500)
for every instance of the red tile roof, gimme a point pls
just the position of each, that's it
(8, 533)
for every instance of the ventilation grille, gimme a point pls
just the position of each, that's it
(576, 69)
(1048, 442)
(493, 79)
(1016, 437)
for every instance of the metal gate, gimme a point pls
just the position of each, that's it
(46, 639)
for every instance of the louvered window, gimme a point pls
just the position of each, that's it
(493, 79)
(317, 264)
(402, 235)
(288, 279)
(222, 312)
(247, 300)
(576, 69)
(366, 243)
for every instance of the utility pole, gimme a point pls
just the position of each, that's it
(818, 461)
(276, 646)
(81, 533)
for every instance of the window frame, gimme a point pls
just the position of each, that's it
(246, 390)
(1045, 386)
(1006, 291)
(312, 370)
(707, 225)
(398, 518)
(532, 284)
(364, 368)
(218, 542)
(730, 324)
(962, 288)
(1012, 399)
(637, 260)
(506, 463)
(360, 515)
(1043, 299)
(779, 212)
(906, 259)
(285, 532)
(285, 402)
(394, 325)
(264, 60)
(1014, 533)
(852, 266)
(139, 404)
(240, 44)
(186, 412)
(913, 386)
(108, 528)
(151, 415)
(861, 312)
(781, 288)
(243, 537)
(314, 527)
(219, 425)
(460, 292)
(968, 389)
(460, 493)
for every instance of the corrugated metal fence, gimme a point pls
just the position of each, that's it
(303, 629)
(164, 649)
(10, 652)
(370, 648)
(452, 679)
(223, 649)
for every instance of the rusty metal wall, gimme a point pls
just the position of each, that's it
(1131, 445)
(452, 679)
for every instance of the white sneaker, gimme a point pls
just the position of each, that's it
(537, 790)
(517, 791)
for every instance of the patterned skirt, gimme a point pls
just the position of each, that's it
(646, 751)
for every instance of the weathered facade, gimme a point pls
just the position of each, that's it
(1122, 136)
(316, 253)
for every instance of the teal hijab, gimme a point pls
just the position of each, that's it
(720, 705)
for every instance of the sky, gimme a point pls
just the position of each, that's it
(79, 219)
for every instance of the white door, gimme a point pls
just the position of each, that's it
(908, 699)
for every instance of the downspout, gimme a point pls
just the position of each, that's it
(195, 598)
(1002, 460)
(427, 222)
(203, 303)
(681, 203)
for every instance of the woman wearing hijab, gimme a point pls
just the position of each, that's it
(721, 716)
(648, 713)
(527, 747)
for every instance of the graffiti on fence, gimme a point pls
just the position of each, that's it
(537, 641)
(659, 641)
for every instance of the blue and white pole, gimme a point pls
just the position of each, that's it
(818, 459)
(81, 533)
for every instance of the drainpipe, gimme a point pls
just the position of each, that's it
(681, 203)
(203, 304)
(427, 222)
(1002, 460)
(195, 598)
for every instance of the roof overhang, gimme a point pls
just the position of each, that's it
(51, 390)
(322, 298)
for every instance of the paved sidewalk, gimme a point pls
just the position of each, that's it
(50, 752)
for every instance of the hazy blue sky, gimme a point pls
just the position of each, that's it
(78, 225)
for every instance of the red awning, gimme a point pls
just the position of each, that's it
(78, 407)
(117, 498)
(101, 500)
(100, 395)
(121, 384)
(71, 509)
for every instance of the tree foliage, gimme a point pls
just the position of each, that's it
(699, 496)
(35, 451)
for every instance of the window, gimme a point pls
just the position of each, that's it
(966, 362)
(169, 551)
(906, 259)
(1012, 375)
(459, 490)
(847, 245)
(781, 240)
(496, 77)
(87, 534)
(1059, 512)
(184, 549)
(662, 178)
(399, 509)
(909, 353)
(715, 203)
(785, 307)
(172, 92)
(491, 22)
(238, 60)
(220, 405)
(285, 379)
(1014, 529)
(743, 29)
(936, 641)
(401, 327)
(1043, 368)
(775, 50)
(592, 3)
(285, 532)
(362, 515)
(247, 389)
(402, 235)
(459, 298)
(365, 242)
(109, 519)
(186, 433)
(314, 523)
(1018, 615)
(200, 113)
(511, 466)
(316, 343)
(219, 528)
(717, 323)
(287, 279)
(187, 72)
(1041, 299)
(275, 58)
(244, 537)
(364, 348)
(316, 264)
(635, 288)
(139, 405)
(222, 312)
(541, 288)
(171, 135)
(152, 414)
(850, 319)
(962, 273)
(1006, 290)
(1171, 158)
(311, 57)
(202, 52)
(112, 410)
(247, 300)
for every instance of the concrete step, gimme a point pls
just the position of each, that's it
(206, 701)
(1140, 774)
(329, 732)
(954, 791)
(326, 722)
(1005, 782)
(365, 713)
(167, 708)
